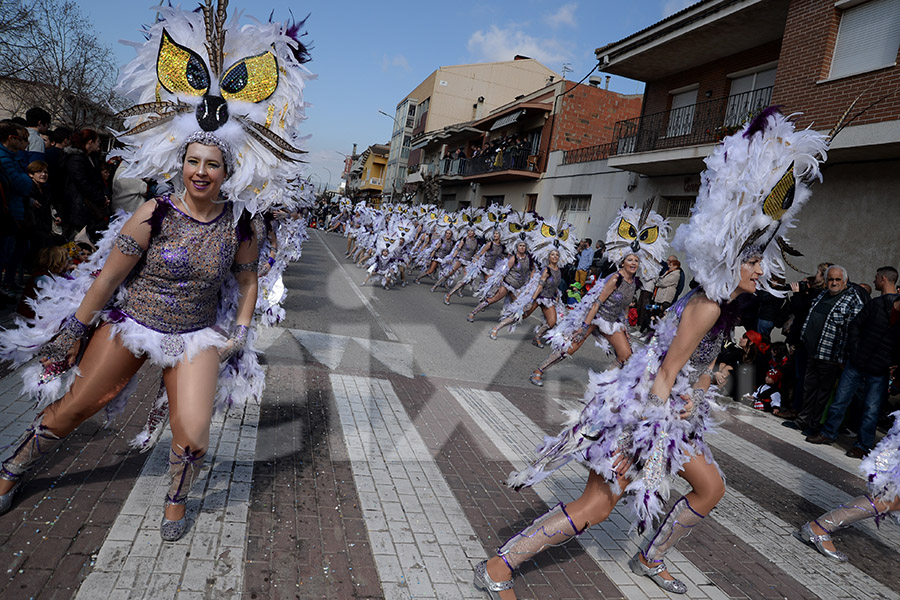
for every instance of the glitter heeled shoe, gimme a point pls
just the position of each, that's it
(6, 500)
(484, 582)
(172, 531)
(806, 535)
(674, 586)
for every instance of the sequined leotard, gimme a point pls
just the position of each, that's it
(611, 314)
(518, 274)
(468, 249)
(175, 287)
(550, 287)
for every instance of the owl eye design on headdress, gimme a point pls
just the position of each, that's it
(183, 72)
(638, 231)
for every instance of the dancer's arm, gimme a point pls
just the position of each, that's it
(117, 265)
(540, 287)
(247, 281)
(699, 316)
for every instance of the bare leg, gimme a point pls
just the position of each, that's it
(619, 342)
(191, 387)
(485, 303)
(556, 527)
(106, 368)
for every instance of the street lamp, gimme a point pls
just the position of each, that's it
(329, 177)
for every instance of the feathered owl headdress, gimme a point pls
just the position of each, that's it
(754, 185)
(639, 231)
(516, 229)
(242, 85)
(552, 234)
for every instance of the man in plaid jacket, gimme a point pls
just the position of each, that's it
(824, 334)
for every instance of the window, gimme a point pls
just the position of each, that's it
(679, 207)
(681, 117)
(530, 202)
(422, 111)
(489, 200)
(749, 94)
(575, 210)
(447, 198)
(868, 38)
(568, 204)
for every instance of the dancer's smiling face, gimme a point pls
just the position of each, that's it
(751, 271)
(521, 248)
(203, 172)
(631, 263)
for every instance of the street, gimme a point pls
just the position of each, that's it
(375, 467)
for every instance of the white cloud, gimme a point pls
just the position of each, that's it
(398, 61)
(564, 16)
(673, 6)
(497, 44)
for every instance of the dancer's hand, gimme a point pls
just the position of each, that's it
(581, 333)
(265, 267)
(622, 464)
(721, 376)
(235, 343)
(687, 410)
(62, 350)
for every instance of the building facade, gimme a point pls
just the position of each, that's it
(519, 155)
(452, 95)
(365, 176)
(712, 66)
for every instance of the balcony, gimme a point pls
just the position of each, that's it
(581, 155)
(504, 166)
(677, 141)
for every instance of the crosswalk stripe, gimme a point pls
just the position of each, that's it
(422, 542)
(516, 435)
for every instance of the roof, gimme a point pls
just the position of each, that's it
(700, 34)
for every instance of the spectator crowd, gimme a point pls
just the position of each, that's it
(57, 191)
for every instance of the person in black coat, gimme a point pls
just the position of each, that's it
(84, 191)
(873, 344)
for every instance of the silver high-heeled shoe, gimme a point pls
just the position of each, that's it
(172, 531)
(484, 582)
(806, 535)
(6, 499)
(675, 586)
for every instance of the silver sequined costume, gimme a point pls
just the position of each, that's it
(550, 288)
(518, 274)
(613, 313)
(619, 416)
(881, 467)
(468, 249)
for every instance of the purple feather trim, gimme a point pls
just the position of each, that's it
(244, 230)
(159, 213)
(761, 120)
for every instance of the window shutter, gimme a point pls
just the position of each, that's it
(868, 38)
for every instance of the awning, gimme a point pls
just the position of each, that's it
(507, 120)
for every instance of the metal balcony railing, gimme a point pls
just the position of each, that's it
(580, 155)
(503, 161)
(702, 123)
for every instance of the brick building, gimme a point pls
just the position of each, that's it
(711, 66)
(508, 156)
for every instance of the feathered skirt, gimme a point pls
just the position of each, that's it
(619, 419)
(881, 467)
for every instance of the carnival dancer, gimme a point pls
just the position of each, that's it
(439, 253)
(636, 241)
(646, 422)
(546, 295)
(488, 258)
(881, 469)
(513, 276)
(461, 256)
(165, 292)
(552, 248)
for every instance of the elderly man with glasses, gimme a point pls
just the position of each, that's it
(824, 336)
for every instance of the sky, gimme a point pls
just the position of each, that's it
(368, 56)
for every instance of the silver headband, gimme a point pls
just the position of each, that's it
(207, 138)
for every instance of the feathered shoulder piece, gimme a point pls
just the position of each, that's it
(552, 234)
(239, 84)
(641, 231)
(755, 183)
